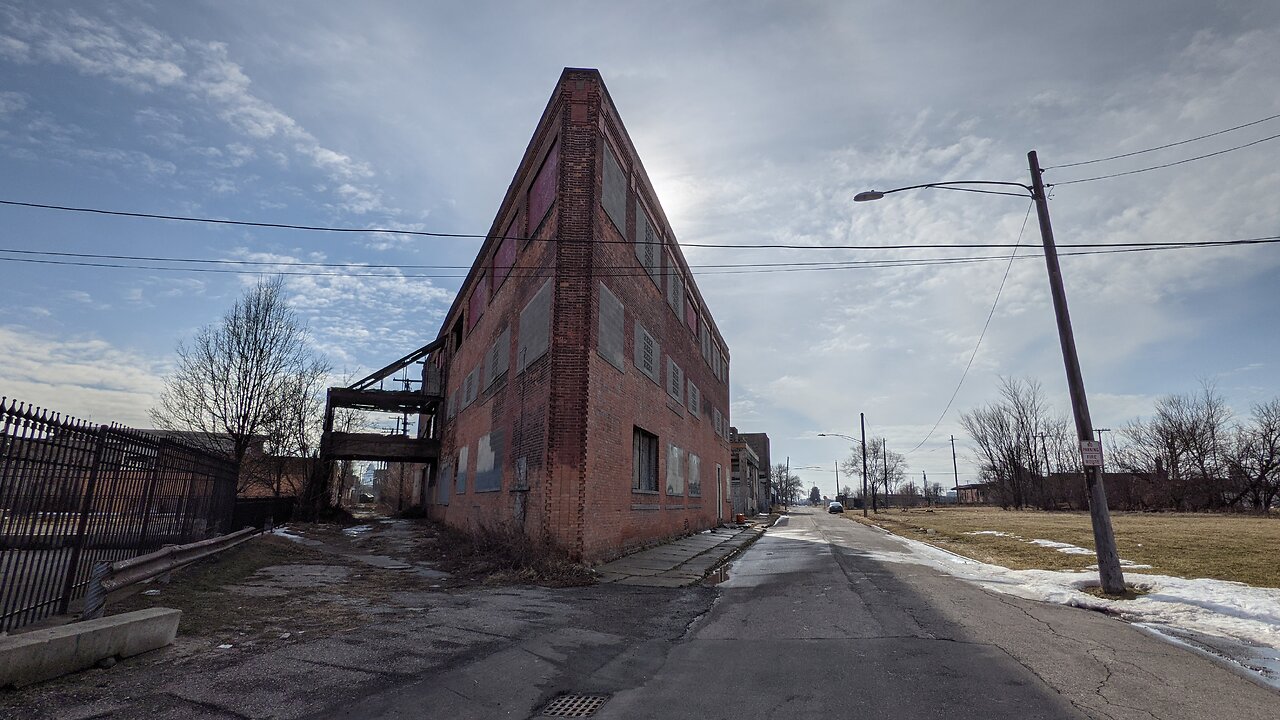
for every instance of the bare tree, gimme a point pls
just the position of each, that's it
(878, 458)
(788, 486)
(1179, 451)
(250, 377)
(1013, 437)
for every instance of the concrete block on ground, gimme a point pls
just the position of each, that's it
(44, 654)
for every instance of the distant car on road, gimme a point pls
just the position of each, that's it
(835, 507)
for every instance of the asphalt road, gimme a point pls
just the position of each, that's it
(816, 620)
(820, 618)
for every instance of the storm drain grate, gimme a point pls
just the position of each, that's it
(574, 705)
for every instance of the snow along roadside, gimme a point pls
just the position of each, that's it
(1229, 620)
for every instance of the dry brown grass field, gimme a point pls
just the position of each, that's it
(1242, 548)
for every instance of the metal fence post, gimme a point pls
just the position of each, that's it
(95, 599)
(82, 526)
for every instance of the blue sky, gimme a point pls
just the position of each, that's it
(757, 123)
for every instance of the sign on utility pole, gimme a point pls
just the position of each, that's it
(1091, 453)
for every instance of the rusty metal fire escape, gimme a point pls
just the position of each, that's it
(425, 402)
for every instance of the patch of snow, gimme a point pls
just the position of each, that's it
(997, 533)
(285, 533)
(1062, 547)
(1237, 621)
(356, 531)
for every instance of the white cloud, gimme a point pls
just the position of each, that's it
(81, 376)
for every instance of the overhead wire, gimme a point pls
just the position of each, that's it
(1165, 165)
(981, 335)
(1165, 146)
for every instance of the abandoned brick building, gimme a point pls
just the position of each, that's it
(586, 384)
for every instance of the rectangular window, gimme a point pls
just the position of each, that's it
(647, 353)
(695, 475)
(675, 381)
(644, 461)
(445, 483)
(717, 421)
(460, 480)
(724, 369)
(542, 193)
(535, 328)
(704, 338)
(469, 388)
(505, 256)
(694, 399)
(614, 195)
(489, 462)
(611, 331)
(648, 246)
(498, 359)
(675, 287)
(479, 301)
(675, 470)
(690, 313)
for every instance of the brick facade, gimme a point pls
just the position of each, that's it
(555, 361)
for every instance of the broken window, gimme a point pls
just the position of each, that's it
(644, 447)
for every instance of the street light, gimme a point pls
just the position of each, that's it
(862, 419)
(1109, 573)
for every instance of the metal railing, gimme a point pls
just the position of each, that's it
(74, 494)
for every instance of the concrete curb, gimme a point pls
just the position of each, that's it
(681, 563)
(44, 654)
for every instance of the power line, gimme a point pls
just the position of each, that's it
(1167, 165)
(981, 335)
(412, 266)
(1165, 146)
(632, 270)
(425, 233)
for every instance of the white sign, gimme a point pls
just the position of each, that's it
(1091, 453)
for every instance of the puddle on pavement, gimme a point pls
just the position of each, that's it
(356, 531)
(717, 576)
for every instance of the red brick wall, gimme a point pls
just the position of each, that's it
(571, 413)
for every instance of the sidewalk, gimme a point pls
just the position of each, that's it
(681, 563)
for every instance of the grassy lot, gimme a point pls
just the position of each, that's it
(1227, 547)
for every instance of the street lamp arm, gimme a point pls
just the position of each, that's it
(846, 437)
(950, 185)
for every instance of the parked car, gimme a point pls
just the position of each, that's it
(835, 507)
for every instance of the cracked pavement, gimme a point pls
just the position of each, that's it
(815, 620)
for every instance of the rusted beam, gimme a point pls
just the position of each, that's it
(412, 357)
(410, 401)
(391, 448)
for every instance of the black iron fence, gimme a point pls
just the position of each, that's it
(73, 494)
(254, 512)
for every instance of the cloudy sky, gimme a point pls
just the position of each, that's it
(757, 123)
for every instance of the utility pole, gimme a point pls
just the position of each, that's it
(884, 454)
(1104, 539)
(862, 420)
(955, 469)
(1099, 431)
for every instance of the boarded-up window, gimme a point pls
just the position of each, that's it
(469, 390)
(647, 353)
(479, 301)
(614, 195)
(675, 470)
(695, 475)
(675, 287)
(610, 337)
(717, 421)
(648, 246)
(498, 358)
(690, 312)
(489, 462)
(694, 400)
(452, 410)
(535, 328)
(445, 482)
(724, 369)
(505, 256)
(675, 381)
(460, 480)
(704, 338)
(543, 191)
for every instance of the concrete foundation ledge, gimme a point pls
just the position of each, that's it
(44, 654)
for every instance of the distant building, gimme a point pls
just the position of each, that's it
(759, 443)
(974, 494)
(587, 386)
(745, 485)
